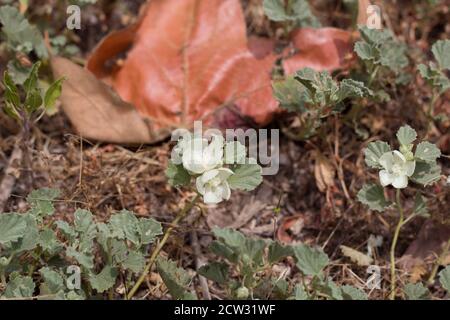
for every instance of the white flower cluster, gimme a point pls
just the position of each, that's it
(206, 160)
(397, 169)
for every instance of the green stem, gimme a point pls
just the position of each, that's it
(439, 262)
(161, 244)
(394, 244)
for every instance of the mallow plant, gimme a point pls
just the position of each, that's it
(212, 168)
(45, 258)
(245, 269)
(314, 96)
(398, 168)
(382, 56)
(434, 75)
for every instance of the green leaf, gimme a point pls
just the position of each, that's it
(329, 288)
(67, 230)
(290, 94)
(365, 51)
(30, 239)
(125, 225)
(426, 173)
(53, 282)
(416, 292)
(33, 100)
(373, 153)
(310, 261)
(41, 202)
(230, 237)
(11, 91)
(406, 135)
(420, 206)
(222, 250)
(278, 252)
(49, 242)
(20, 35)
(135, 261)
(19, 287)
(246, 177)
(427, 152)
(176, 279)
(299, 12)
(84, 221)
(31, 83)
(352, 293)
(441, 51)
(12, 227)
(215, 271)
(300, 293)
(84, 259)
(444, 278)
(393, 56)
(374, 36)
(53, 93)
(350, 88)
(177, 175)
(372, 195)
(105, 280)
(149, 229)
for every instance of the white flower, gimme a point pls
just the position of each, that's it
(199, 156)
(178, 150)
(397, 169)
(213, 185)
(448, 180)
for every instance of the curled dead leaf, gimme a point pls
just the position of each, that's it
(357, 257)
(97, 112)
(188, 59)
(324, 172)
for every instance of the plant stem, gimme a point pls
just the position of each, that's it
(394, 244)
(161, 244)
(438, 262)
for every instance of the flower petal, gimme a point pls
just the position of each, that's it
(410, 168)
(211, 197)
(400, 182)
(398, 156)
(386, 178)
(387, 160)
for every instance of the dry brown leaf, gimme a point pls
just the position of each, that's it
(417, 273)
(188, 59)
(357, 257)
(324, 172)
(320, 49)
(96, 111)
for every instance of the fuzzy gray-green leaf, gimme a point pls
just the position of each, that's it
(310, 261)
(373, 153)
(372, 195)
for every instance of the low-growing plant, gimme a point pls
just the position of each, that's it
(217, 167)
(39, 255)
(397, 167)
(292, 13)
(314, 96)
(435, 77)
(27, 104)
(382, 55)
(251, 262)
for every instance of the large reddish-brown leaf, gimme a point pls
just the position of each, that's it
(320, 49)
(188, 59)
(97, 112)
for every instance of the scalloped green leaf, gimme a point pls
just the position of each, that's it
(372, 195)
